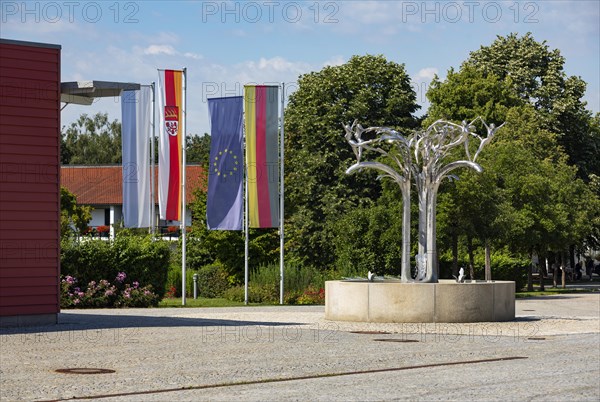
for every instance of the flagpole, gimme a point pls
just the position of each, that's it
(152, 163)
(246, 240)
(183, 211)
(281, 201)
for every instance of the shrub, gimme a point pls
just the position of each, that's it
(174, 279)
(256, 294)
(370, 240)
(235, 293)
(505, 267)
(301, 284)
(144, 260)
(296, 277)
(312, 296)
(106, 294)
(171, 292)
(213, 281)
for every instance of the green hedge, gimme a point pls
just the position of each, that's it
(142, 259)
(369, 239)
(213, 280)
(505, 266)
(302, 285)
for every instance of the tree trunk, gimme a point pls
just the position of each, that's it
(572, 260)
(454, 254)
(563, 267)
(488, 261)
(405, 269)
(471, 258)
(555, 270)
(530, 272)
(543, 269)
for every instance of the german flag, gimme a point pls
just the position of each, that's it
(262, 156)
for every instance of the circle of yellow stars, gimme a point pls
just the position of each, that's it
(222, 154)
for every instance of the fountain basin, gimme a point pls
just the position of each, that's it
(445, 301)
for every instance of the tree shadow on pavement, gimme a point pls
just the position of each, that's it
(74, 321)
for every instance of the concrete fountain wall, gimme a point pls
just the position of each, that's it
(445, 301)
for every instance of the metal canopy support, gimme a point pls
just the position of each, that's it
(84, 92)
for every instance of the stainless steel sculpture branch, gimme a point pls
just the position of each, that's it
(425, 157)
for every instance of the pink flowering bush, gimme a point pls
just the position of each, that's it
(312, 296)
(105, 294)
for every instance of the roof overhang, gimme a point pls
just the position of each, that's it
(84, 92)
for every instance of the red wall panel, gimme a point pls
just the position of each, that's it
(29, 178)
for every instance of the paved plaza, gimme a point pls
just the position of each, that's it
(550, 352)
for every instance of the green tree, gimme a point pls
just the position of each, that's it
(226, 247)
(521, 82)
(553, 208)
(470, 206)
(592, 242)
(73, 218)
(198, 149)
(468, 93)
(537, 75)
(369, 240)
(91, 141)
(369, 88)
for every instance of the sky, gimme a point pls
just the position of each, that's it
(226, 44)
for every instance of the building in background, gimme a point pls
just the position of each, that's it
(101, 187)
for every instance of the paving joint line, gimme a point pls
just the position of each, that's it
(286, 379)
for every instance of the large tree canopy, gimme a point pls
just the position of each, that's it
(369, 88)
(97, 141)
(91, 141)
(538, 77)
(529, 197)
(468, 93)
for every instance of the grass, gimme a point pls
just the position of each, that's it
(549, 291)
(200, 302)
(207, 302)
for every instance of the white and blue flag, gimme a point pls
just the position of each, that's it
(136, 130)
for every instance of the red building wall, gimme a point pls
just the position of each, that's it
(29, 182)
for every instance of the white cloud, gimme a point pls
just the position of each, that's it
(426, 74)
(160, 49)
(239, 33)
(420, 84)
(13, 26)
(581, 18)
(369, 12)
(191, 55)
(166, 50)
(166, 37)
(276, 66)
(206, 78)
(376, 21)
(335, 61)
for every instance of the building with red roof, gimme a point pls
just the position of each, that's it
(101, 187)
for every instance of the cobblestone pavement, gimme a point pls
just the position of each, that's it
(550, 352)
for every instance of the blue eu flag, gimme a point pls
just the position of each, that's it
(224, 205)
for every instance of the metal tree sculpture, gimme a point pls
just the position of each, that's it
(424, 157)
